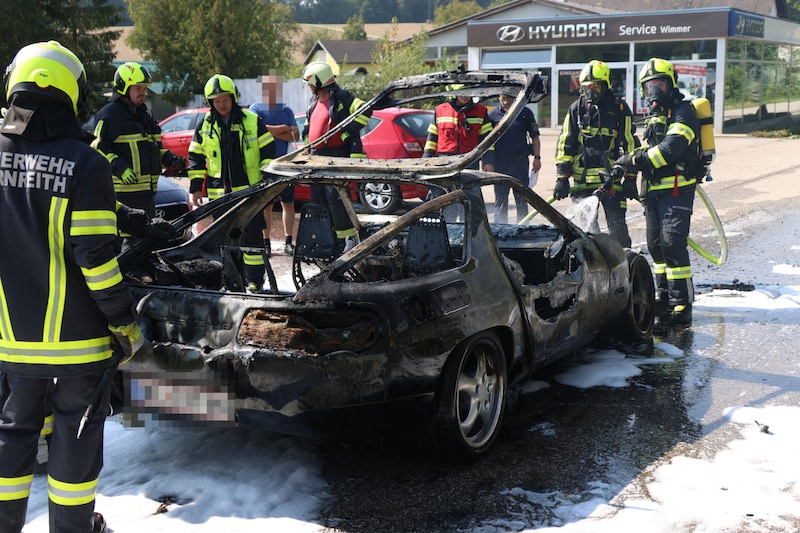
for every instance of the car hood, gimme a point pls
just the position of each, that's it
(532, 87)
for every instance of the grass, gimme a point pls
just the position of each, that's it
(783, 133)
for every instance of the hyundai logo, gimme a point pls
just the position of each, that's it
(510, 33)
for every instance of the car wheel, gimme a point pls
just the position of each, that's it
(380, 198)
(471, 399)
(636, 323)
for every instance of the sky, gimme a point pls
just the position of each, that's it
(754, 481)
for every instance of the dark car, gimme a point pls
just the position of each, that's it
(425, 327)
(172, 200)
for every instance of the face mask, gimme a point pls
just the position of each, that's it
(592, 91)
(655, 91)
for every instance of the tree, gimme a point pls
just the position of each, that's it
(794, 9)
(393, 59)
(354, 29)
(191, 40)
(455, 10)
(80, 25)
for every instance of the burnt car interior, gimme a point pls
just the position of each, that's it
(440, 306)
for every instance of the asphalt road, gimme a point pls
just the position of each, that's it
(561, 438)
(393, 485)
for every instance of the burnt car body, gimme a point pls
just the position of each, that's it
(436, 315)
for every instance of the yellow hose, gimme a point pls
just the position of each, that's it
(723, 242)
(533, 213)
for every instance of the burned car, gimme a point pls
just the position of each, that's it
(434, 317)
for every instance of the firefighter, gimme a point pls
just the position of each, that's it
(597, 128)
(228, 150)
(64, 300)
(459, 124)
(130, 138)
(329, 105)
(670, 164)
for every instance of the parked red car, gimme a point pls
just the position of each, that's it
(177, 130)
(391, 133)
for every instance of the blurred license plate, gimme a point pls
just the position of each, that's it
(191, 396)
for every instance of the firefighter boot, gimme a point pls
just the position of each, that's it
(681, 315)
(662, 312)
(99, 524)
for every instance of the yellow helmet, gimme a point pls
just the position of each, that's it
(657, 80)
(128, 74)
(219, 84)
(595, 79)
(51, 70)
(596, 71)
(657, 67)
(318, 74)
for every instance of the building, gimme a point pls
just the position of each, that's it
(747, 51)
(348, 56)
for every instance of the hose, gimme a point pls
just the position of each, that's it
(533, 213)
(723, 242)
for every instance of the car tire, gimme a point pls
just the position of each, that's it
(380, 198)
(471, 399)
(636, 322)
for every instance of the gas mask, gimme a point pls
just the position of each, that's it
(656, 92)
(592, 91)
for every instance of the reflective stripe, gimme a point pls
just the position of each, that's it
(668, 182)
(15, 488)
(47, 428)
(145, 184)
(253, 259)
(56, 353)
(71, 494)
(656, 157)
(344, 233)
(679, 128)
(447, 120)
(214, 193)
(57, 277)
(102, 276)
(659, 268)
(93, 222)
(684, 272)
(130, 138)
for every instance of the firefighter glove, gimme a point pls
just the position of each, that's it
(632, 162)
(173, 164)
(161, 230)
(130, 340)
(129, 177)
(629, 187)
(563, 170)
(561, 189)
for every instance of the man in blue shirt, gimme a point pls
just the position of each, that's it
(512, 152)
(280, 121)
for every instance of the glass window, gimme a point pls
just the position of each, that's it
(672, 50)
(521, 59)
(610, 53)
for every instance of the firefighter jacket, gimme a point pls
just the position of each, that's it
(592, 138)
(341, 104)
(130, 138)
(672, 148)
(458, 130)
(229, 156)
(63, 287)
